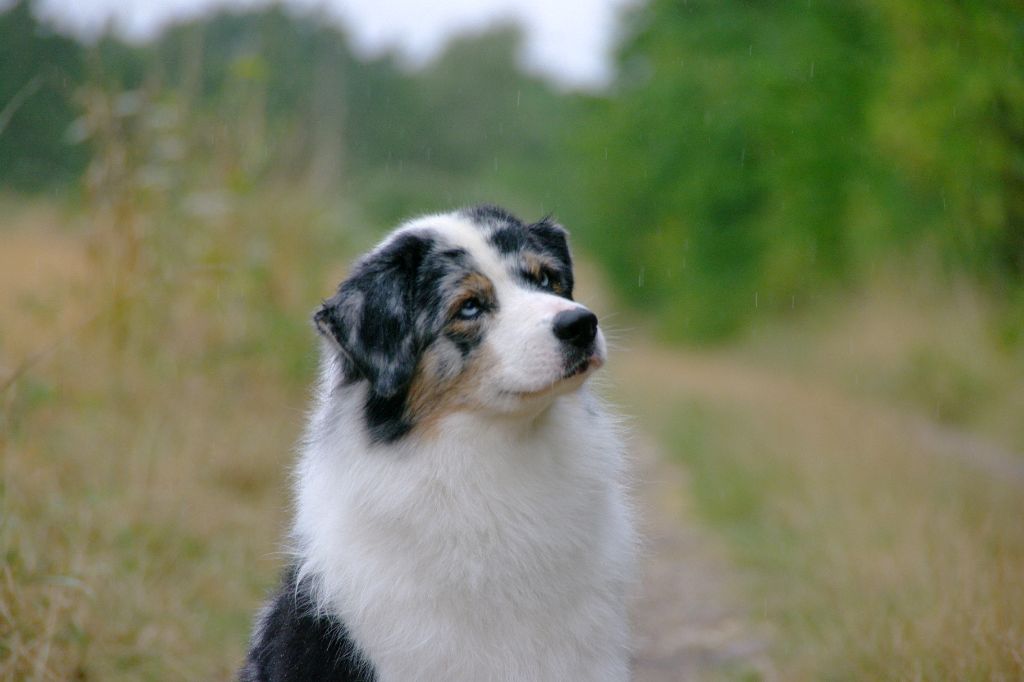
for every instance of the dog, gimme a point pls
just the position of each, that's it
(462, 510)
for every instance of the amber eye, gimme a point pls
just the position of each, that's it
(471, 309)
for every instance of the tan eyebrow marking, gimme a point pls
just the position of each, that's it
(473, 285)
(535, 264)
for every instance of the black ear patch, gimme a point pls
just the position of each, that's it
(551, 239)
(510, 235)
(372, 320)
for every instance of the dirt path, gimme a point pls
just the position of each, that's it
(689, 621)
(689, 618)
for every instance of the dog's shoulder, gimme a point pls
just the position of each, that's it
(291, 641)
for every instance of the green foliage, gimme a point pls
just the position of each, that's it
(729, 149)
(749, 157)
(753, 154)
(951, 119)
(469, 127)
(38, 73)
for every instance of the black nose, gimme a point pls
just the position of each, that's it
(577, 327)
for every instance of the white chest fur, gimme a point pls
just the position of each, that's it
(489, 551)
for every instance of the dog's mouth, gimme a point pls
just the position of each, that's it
(584, 364)
(575, 369)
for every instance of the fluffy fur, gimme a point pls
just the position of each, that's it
(461, 512)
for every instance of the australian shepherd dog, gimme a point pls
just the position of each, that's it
(461, 511)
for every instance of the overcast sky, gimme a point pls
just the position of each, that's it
(566, 39)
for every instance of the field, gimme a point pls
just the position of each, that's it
(801, 225)
(153, 388)
(149, 413)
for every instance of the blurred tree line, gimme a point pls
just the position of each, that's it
(761, 152)
(288, 89)
(747, 156)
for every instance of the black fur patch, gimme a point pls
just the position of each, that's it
(383, 317)
(296, 644)
(551, 239)
(489, 213)
(509, 239)
(370, 317)
(511, 236)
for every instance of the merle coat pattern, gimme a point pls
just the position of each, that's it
(461, 511)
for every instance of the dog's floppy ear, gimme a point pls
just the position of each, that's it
(372, 316)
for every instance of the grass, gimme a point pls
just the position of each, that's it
(916, 340)
(869, 556)
(156, 359)
(147, 429)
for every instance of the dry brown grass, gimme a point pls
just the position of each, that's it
(870, 554)
(148, 417)
(914, 340)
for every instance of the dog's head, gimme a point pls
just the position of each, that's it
(466, 311)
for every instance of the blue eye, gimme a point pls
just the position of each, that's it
(471, 309)
(541, 278)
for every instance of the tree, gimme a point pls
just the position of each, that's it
(951, 119)
(39, 71)
(722, 162)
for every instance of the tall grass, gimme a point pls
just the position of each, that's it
(915, 339)
(154, 370)
(870, 554)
